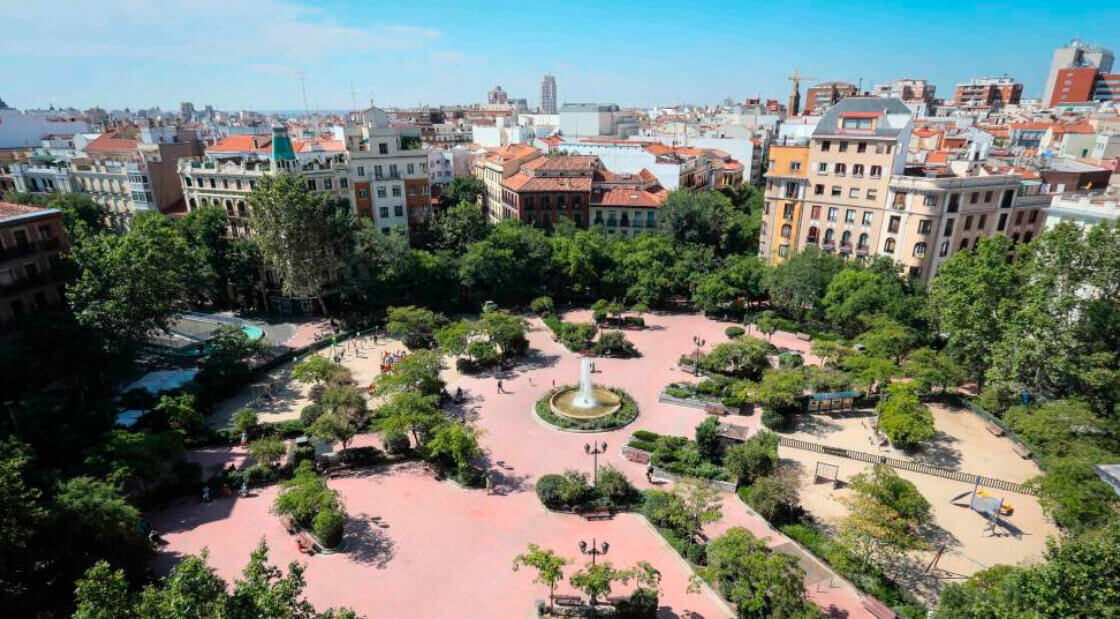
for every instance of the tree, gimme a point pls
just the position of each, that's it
(191, 589)
(708, 440)
(857, 293)
(181, 412)
(1076, 581)
(103, 593)
(782, 391)
(755, 458)
(418, 371)
(888, 339)
(930, 368)
(509, 266)
(972, 298)
(1072, 493)
(408, 411)
(695, 217)
(21, 516)
(246, 421)
(456, 440)
(92, 521)
(315, 369)
(903, 418)
(1059, 428)
(304, 495)
(885, 513)
(81, 216)
(334, 427)
(549, 566)
(737, 282)
(766, 323)
(506, 331)
(205, 231)
(460, 226)
(415, 326)
(798, 285)
(688, 507)
(131, 285)
(595, 579)
(267, 450)
(543, 306)
(746, 357)
(759, 582)
(775, 497)
(303, 237)
(462, 188)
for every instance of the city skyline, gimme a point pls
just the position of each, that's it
(251, 54)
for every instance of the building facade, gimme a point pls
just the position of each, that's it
(987, 93)
(31, 241)
(626, 204)
(787, 187)
(548, 94)
(388, 175)
(547, 189)
(1073, 72)
(820, 97)
(495, 167)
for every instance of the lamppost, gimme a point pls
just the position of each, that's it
(594, 549)
(600, 448)
(699, 344)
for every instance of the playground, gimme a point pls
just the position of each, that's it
(963, 444)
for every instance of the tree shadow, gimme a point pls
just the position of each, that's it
(667, 612)
(940, 452)
(836, 613)
(503, 480)
(818, 426)
(367, 541)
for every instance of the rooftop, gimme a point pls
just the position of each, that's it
(10, 211)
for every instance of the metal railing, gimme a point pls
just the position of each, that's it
(906, 465)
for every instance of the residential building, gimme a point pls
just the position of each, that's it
(1086, 209)
(675, 167)
(25, 129)
(820, 97)
(31, 240)
(445, 164)
(1073, 72)
(908, 90)
(548, 94)
(388, 173)
(497, 95)
(626, 204)
(987, 93)
(548, 188)
(231, 168)
(787, 188)
(1061, 175)
(496, 166)
(594, 120)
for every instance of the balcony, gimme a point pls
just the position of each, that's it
(24, 283)
(862, 250)
(845, 248)
(18, 251)
(828, 245)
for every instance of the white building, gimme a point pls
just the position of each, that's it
(26, 129)
(594, 120)
(445, 164)
(388, 172)
(1084, 209)
(548, 94)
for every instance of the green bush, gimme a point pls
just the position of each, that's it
(290, 428)
(599, 315)
(471, 476)
(613, 486)
(643, 445)
(363, 456)
(757, 457)
(735, 332)
(678, 392)
(615, 344)
(548, 490)
(790, 360)
(543, 306)
(634, 321)
(774, 497)
(773, 420)
(642, 604)
(646, 435)
(303, 453)
(328, 527)
(310, 413)
(692, 551)
(397, 443)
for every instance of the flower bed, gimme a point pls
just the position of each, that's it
(677, 455)
(626, 413)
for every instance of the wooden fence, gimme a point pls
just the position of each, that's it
(906, 465)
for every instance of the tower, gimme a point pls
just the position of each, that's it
(548, 94)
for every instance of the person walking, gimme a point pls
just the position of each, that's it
(500, 390)
(649, 473)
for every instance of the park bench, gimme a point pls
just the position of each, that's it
(805, 337)
(636, 455)
(304, 543)
(567, 600)
(994, 428)
(1023, 452)
(289, 524)
(599, 513)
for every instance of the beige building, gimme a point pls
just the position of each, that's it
(496, 166)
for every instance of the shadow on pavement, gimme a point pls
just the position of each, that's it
(367, 541)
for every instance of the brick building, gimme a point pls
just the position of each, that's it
(548, 188)
(31, 239)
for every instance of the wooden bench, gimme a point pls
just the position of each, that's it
(1023, 452)
(994, 428)
(805, 337)
(599, 513)
(289, 524)
(567, 600)
(304, 544)
(636, 455)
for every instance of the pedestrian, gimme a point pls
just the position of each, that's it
(554, 383)
(500, 390)
(489, 483)
(531, 382)
(649, 473)
(206, 494)
(458, 394)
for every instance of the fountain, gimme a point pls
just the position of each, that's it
(587, 401)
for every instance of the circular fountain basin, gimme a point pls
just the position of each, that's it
(563, 403)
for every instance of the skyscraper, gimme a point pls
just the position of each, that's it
(1076, 55)
(548, 94)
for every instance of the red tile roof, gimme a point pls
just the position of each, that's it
(525, 182)
(628, 198)
(562, 163)
(262, 145)
(11, 209)
(109, 143)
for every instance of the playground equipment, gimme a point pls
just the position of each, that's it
(990, 507)
(827, 472)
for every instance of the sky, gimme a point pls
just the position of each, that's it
(252, 54)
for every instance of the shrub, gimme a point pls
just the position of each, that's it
(328, 527)
(310, 413)
(689, 549)
(363, 456)
(773, 420)
(734, 332)
(642, 604)
(708, 441)
(613, 486)
(397, 443)
(637, 443)
(290, 428)
(315, 394)
(301, 453)
(599, 315)
(615, 344)
(904, 419)
(543, 306)
(755, 458)
(646, 435)
(548, 490)
(470, 476)
(790, 360)
(774, 497)
(634, 321)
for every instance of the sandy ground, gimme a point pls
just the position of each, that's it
(962, 444)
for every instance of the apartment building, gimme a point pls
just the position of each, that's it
(676, 167)
(820, 97)
(626, 204)
(1085, 209)
(987, 92)
(388, 173)
(231, 168)
(31, 239)
(548, 188)
(496, 166)
(787, 187)
(1080, 73)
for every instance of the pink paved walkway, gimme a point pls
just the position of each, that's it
(424, 548)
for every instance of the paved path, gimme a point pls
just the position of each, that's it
(424, 548)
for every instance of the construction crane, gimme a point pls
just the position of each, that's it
(795, 96)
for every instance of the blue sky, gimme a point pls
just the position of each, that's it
(248, 54)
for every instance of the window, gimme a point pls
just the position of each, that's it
(919, 250)
(857, 169)
(925, 226)
(861, 147)
(787, 231)
(381, 192)
(973, 197)
(383, 148)
(915, 272)
(396, 191)
(1002, 222)
(850, 216)
(856, 123)
(1034, 217)
(843, 147)
(311, 184)
(853, 192)
(948, 227)
(818, 189)
(411, 168)
(363, 193)
(964, 244)
(944, 249)
(225, 183)
(783, 250)
(840, 169)
(836, 192)
(766, 207)
(1015, 238)
(815, 212)
(967, 223)
(929, 200)
(863, 238)
(894, 224)
(361, 170)
(829, 237)
(385, 230)
(982, 223)
(825, 145)
(872, 194)
(398, 210)
(1008, 196)
(846, 239)
(186, 179)
(987, 196)
(343, 182)
(876, 171)
(867, 217)
(1027, 236)
(327, 183)
(888, 246)
(832, 212)
(1019, 218)
(822, 168)
(794, 166)
(377, 172)
(45, 233)
(787, 212)
(813, 233)
(384, 211)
